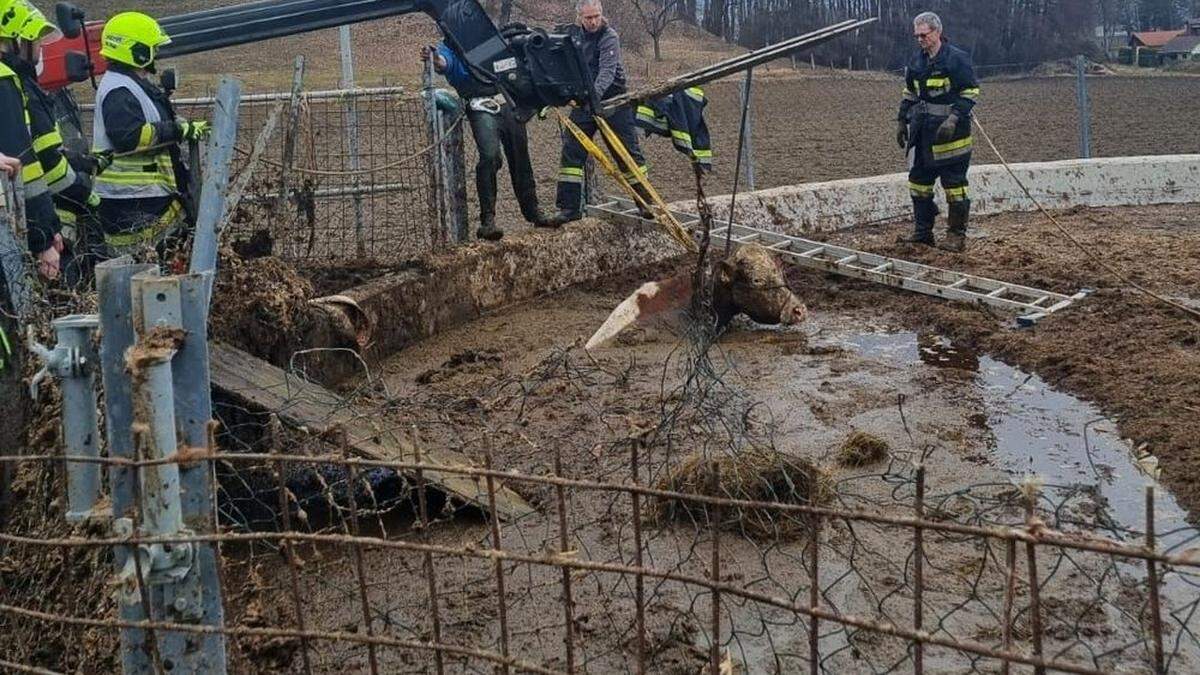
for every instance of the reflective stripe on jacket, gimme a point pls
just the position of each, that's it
(147, 172)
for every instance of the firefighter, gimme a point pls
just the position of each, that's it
(43, 235)
(934, 127)
(602, 53)
(68, 178)
(144, 201)
(495, 126)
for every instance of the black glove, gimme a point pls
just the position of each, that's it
(946, 131)
(902, 134)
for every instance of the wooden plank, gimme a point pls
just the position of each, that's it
(316, 410)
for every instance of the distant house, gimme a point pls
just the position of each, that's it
(1153, 39)
(1185, 46)
(1145, 47)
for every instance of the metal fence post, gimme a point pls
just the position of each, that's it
(216, 176)
(347, 53)
(81, 430)
(746, 156)
(1085, 107)
(437, 157)
(113, 284)
(456, 181)
(181, 302)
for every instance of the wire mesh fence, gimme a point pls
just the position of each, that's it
(647, 549)
(348, 177)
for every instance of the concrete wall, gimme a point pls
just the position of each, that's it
(453, 288)
(835, 205)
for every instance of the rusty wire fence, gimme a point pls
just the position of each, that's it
(346, 178)
(642, 549)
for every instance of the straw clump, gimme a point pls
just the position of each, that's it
(860, 449)
(749, 475)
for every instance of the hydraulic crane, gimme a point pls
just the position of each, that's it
(534, 67)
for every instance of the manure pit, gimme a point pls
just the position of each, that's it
(516, 384)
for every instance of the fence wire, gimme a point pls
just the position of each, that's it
(621, 569)
(350, 183)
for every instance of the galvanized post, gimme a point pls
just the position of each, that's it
(1085, 107)
(181, 302)
(216, 176)
(360, 239)
(81, 430)
(456, 181)
(746, 155)
(170, 386)
(113, 284)
(14, 263)
(438, 156)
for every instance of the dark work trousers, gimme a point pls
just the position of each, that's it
(922, 178)
(570, 169)
(492, 133)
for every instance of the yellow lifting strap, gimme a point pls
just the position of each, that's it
(661, 213)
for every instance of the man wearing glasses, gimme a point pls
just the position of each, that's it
(934, 127)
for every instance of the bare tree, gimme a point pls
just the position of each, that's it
(656, 15)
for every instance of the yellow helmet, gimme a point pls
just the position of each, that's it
(20, 20)
(132, 38)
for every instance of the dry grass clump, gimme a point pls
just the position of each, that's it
(750, 475)
(861, 449)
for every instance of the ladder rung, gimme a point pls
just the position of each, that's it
(848, 259)
(998, 292)
(1040, 300)
(883, 268)
(779, 245)
(813, 252)
(958, 284)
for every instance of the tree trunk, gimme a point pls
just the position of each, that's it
(657, 50)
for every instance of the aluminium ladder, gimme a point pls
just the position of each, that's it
(1032, 303)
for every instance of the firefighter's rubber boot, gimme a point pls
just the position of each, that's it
(488, 230)
(924, 213)
(561, 218)
(956, 229)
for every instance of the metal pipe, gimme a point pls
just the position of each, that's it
(162, 512)
(81, 429)
(216, 176)
(351, 104)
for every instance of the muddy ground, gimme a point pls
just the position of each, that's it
(930, 378)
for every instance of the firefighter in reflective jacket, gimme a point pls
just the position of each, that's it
(143, 193)
(935, 128)
(22, 28)
(68, 179)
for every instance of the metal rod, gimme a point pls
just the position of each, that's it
(433, 120)
(714, 654)
(1010, 592)
(639, 580)
(563, 547)
(919, 572)
(741, 155)
(347, 54)
(1035, 603)
(501, 596)
(359, 569)
(814, 582)
(746, 151)
(430, 571)
(1156, 628)
(289, 552)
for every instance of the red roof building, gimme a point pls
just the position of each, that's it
(1153, 39)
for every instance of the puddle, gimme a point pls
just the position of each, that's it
(1037, 429)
